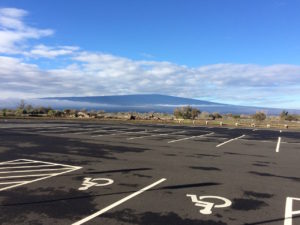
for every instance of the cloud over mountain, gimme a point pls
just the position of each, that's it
(86, 73)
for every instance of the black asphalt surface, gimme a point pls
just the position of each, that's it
(49, 161)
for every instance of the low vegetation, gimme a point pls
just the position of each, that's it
(186, 112)
(186, 115)
(259, 116)
(284, 115)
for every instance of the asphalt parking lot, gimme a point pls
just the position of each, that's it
(60, 172)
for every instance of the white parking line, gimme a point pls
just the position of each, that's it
(187, 138)
(265, 141)
(125, 132)
(26, 171)
(54, 129)
(84, 220)
(89, 131)
(278, 144)
(93, 130)
(31, 175)
(117, 132)
(19, 167)
(11, 181)
(219, 145)
(82, 130)
(154, 135)
(288, 217)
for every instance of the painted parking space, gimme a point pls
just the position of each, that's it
(140, 178)
(20, 172)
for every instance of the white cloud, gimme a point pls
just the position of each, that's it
(51, 52)
(14, 32)
(104, 74)
(92, 73)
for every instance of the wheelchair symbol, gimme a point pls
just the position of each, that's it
(90, 182)
(208, 206)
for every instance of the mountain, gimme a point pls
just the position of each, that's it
(137, 100)
(138, 103)
(152, 102)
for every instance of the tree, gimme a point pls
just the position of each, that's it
(177, 113)
(186, 112)
(4, 111)
(217, 115)
(19, 112)
(51, 113)
(29, 108)
(195, 112)
(34, 112)
(284, 114)
(291, 118)
(22, 104)
(212, 116)
(58, 113)
(259, 116)
(67, 112)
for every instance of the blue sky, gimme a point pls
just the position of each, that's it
(240, 52)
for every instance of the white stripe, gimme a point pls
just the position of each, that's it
(84, 132)
(74, 167)
(183, 139)
(288, 211)
(154, 135)
(278, 144)
(99, 135)
(15, 161)
(265, 141)
(31, 175)
(18, 167)
(146, 136)
(13, 182)
(130, 132)
(230, 141)
(84, 220)
(78, 129)
(53, 129)
(42, 178)
(26, 171)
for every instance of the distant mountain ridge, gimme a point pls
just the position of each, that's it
(151, 102)
(138, 100)
(139, 103)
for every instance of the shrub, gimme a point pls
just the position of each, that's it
(51, 113)
(22, 104)
(212, 116)
(236, 116)
(4, 112)
(195, 112)
(291, 118)
(284, 114)
(28, 108)
(19, 112)
(259, 116)
(217, 115)
(186, 112)
(58, 113)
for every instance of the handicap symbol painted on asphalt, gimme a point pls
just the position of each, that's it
(207, 205)
(90, 182)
